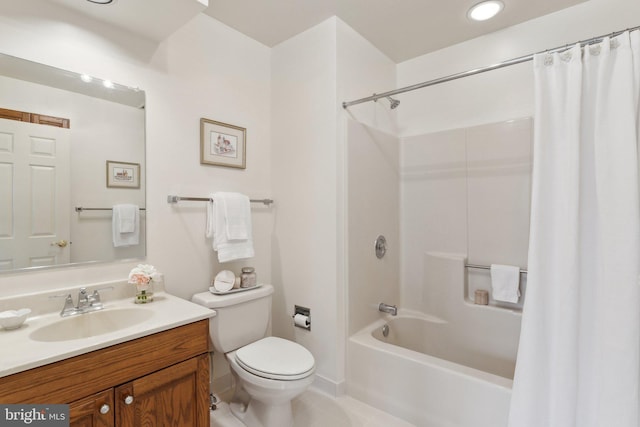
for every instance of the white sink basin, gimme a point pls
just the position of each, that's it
(91, 324)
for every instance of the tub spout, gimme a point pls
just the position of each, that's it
(386, 308)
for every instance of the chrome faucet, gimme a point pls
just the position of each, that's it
(86, 302)
(83, 299)
(386, 308)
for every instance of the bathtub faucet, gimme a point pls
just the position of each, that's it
(386, 308)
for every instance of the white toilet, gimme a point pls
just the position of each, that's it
(269, 371)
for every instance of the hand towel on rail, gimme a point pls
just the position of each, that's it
(229, 224)
(125, 225)
(505, 283)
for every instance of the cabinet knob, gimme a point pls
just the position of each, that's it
(104, 409)
(128, 400)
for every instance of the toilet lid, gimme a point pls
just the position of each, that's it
(276, 358)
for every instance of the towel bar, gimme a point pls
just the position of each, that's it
(81, 209)
(487, 267)
(176, 199)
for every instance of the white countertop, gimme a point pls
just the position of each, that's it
(19, 352)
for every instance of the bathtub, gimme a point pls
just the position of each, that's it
(421, 373)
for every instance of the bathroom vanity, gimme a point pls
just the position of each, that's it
(155, 372)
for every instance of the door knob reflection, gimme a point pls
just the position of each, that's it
(60, 243)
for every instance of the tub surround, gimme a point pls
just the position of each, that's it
(20, 352)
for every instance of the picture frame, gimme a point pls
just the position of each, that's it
(222, 144)
(123, 174)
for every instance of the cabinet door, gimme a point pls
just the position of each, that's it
(174, 396)
(93, 411)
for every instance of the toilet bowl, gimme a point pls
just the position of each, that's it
(272, 371)
(268, 371)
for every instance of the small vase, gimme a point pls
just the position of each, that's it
(144, 296)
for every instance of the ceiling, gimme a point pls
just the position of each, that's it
(153, 19)
(402, 29)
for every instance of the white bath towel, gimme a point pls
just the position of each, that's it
(125, 225)
(229, 224)
(505, 283)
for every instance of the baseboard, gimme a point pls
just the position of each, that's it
(222, 385)
(329, 387)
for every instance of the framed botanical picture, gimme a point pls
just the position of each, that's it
(123, 174)
(222, 144)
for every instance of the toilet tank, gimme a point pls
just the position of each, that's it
(241, 317)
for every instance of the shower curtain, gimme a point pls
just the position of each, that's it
(578, 360)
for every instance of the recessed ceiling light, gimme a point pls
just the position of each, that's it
(108, 84)
(485, 10)
(86, 78)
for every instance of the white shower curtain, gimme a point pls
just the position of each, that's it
(578, 360)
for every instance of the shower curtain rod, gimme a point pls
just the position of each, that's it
(473, 72)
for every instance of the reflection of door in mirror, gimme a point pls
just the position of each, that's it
(34, 189)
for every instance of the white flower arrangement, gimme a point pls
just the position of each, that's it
(142, 275)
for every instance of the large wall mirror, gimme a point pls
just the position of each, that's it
(71, 148)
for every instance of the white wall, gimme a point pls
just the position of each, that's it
(374, 209)
(311, 74)
(305, 179)
(361, 66)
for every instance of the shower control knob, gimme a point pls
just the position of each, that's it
(380, 246)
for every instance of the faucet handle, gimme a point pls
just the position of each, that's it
(67, 298)
(94, 299)
(68, 303)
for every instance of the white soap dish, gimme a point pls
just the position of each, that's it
(13, 319)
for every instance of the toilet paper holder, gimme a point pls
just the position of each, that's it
(302, 317)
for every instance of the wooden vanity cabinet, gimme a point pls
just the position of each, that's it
(93, 411)
(158, 380)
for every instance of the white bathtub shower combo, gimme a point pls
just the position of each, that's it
(450, 368)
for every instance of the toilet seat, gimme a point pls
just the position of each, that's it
(276, 358)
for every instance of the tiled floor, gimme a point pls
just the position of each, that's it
(315, 409)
